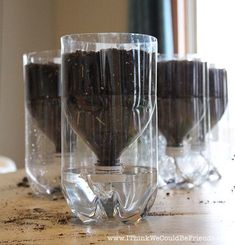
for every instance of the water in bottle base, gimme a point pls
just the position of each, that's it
(107, 194)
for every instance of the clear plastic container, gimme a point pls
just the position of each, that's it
(182, 120)
(43, 121)
(109, 125)
(219, 120)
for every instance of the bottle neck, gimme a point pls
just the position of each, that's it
(177, 151)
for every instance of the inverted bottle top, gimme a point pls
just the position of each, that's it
(181, 77)
(42, 74)
(218, 83)
(109, 72)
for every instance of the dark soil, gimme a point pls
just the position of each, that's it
(43, 99)
(23, 183)
(107, 102)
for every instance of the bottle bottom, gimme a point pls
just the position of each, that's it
(110, 194)
(45, 180)
(183, 171)
(45, 191)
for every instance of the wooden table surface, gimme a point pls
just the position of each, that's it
(205, 213)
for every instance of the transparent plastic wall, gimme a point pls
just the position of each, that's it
(109, 125)
(43, 121)
(220, 146)
(183, 121)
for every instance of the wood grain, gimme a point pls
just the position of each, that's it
(205, 211)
